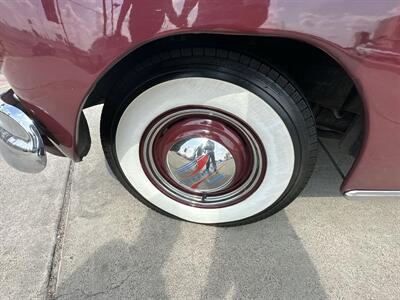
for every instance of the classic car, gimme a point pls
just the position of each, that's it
(212, 109)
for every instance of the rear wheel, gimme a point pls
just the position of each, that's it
(209, 136)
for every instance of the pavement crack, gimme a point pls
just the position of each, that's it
(60, 235)
(114, 287)
(94, 294)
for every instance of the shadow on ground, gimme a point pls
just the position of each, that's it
(262, 260)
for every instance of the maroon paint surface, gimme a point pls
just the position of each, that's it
(54, 51)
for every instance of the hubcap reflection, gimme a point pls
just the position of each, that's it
(201, 164)
(202, 157)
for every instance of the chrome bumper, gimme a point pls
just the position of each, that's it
(21, 144)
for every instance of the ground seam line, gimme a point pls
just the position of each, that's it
(55, 265)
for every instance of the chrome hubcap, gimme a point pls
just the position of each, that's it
(202, 157)
(201, 164)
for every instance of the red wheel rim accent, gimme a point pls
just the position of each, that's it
(178, 125)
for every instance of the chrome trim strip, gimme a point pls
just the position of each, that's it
(372, 194)
(21, 144)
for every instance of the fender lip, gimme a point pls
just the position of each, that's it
(372, 195)
(21, 144)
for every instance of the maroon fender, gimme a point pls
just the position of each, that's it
(54, 52)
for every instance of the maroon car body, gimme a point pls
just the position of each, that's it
(55, 52)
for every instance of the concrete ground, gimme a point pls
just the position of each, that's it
(73, 232)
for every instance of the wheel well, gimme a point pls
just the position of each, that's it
(332, 94)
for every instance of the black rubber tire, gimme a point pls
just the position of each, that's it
(243, 70)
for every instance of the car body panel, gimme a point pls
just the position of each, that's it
(54, 52)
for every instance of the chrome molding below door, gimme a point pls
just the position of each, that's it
(371, 194)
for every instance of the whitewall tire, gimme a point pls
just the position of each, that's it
(260, 129)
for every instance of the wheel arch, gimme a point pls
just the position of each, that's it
(246, 43)
(100, 88)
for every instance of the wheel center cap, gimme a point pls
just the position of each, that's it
(202, 157)
(201, 164)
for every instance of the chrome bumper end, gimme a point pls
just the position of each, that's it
(21, 144)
